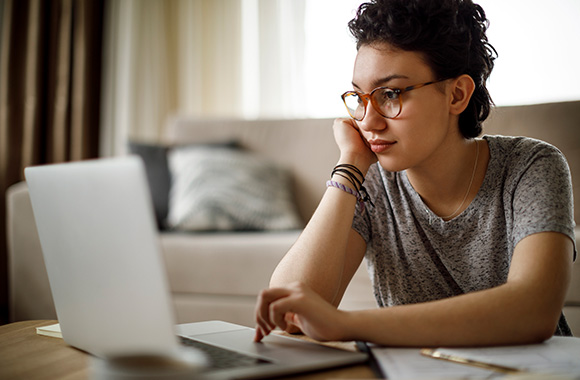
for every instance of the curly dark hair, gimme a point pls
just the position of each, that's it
(449, 33)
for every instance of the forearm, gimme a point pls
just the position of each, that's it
(498, 316)
(525, 309)
(325, 255)
(318, 257)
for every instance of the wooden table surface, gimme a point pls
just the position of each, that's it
(26, 355)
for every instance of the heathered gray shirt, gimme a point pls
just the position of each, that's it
(415, 256)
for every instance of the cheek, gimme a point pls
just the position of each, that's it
(417, 139)
(413, 145)
(428, 122)
(420, 129)
(433, 110)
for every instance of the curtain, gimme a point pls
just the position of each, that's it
(50, 72)
(166, 56)
(203, 58)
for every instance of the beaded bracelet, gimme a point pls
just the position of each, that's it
(342, 187)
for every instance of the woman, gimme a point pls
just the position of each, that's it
(469, 241)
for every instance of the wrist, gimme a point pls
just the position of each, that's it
(361, 164)
(353, 175)
(347, 321)
(343, 181)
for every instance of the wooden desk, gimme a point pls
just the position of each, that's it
(26, 355)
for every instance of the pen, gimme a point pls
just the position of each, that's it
(429, 352)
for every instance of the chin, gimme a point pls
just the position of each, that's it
(391, 166)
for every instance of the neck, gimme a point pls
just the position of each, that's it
(450, 179)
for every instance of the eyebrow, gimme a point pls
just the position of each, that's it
(383, 81)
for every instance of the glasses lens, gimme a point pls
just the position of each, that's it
(354, 105)
(387, 102)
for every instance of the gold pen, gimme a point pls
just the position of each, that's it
(432, 353)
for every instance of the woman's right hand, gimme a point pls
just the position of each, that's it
(354, 148)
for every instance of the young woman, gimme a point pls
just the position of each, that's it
(469, 240)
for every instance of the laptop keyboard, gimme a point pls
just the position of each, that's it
(221, 358)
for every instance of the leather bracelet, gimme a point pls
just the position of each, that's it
(350, 172)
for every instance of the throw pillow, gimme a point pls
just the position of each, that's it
(155, 159)
(224, 189)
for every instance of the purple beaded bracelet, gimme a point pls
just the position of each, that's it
(347, 189)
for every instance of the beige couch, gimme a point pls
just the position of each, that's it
(217, 276)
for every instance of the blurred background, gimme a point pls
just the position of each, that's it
(79, 78)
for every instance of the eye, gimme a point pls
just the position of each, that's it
(389, 94)
(385, 95)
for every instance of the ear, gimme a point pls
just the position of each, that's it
(461, 91)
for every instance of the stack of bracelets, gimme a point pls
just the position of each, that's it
(352, 174)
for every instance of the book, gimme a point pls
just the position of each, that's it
(50, 330)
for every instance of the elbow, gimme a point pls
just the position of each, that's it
(549, 327)
(534, 322)
(543, 327)
(542, 333)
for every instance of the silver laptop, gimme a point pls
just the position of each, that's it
(100, 244)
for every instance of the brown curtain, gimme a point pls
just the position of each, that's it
(50, 74)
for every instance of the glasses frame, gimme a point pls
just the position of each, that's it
(369, 97)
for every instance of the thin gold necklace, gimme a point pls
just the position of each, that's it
(470, 183)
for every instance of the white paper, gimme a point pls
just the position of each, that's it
(50, 330)
(409, 364)
(554, 355)
(559, 355)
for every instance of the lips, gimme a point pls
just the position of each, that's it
(378, 146)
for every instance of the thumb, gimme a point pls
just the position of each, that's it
(292, 319)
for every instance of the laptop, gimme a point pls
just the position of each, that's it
(100, 244)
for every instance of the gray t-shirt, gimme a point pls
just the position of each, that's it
(415, 256)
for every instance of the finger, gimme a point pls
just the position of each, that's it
(260, 334)
(262, 310)
(263, 306)
(277, 314)
(362, 137)
(281, 308)
(292, 326)
(264, 326)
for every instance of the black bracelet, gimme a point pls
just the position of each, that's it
(349, 176)
(353, 168)
(346, 172)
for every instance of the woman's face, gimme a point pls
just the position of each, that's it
(424, 128)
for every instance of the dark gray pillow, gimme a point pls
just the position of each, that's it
(157, 169)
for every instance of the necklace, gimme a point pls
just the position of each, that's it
(470, 183)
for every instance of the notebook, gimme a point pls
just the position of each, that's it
(100, 243)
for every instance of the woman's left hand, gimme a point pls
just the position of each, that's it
(298, 306)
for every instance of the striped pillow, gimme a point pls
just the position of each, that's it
(225, 189)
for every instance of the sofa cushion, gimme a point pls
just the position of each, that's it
(227, 263)
(225, 189)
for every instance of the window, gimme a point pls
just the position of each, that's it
(537, 42)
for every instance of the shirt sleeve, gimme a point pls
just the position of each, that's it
(542, 196)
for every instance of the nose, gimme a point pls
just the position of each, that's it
(373, 121)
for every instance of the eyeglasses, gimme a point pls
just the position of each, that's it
(385, 100)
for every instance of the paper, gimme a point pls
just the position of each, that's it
(554, 355)
(50, 330)
(409, 364)
(559, 355)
